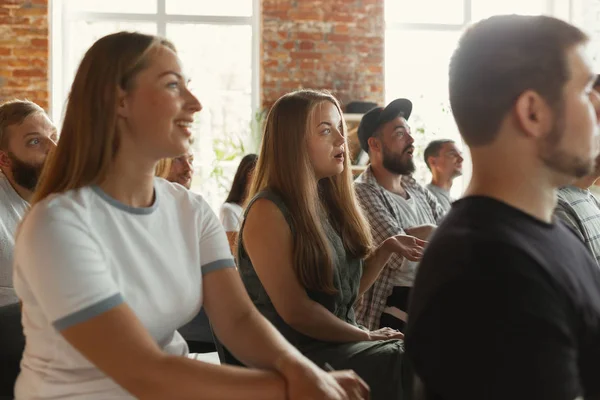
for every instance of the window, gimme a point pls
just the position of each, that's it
(420, 38)
(218, 44)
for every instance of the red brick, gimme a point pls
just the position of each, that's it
(310, 36)
(38, 73)
(5, 51)
(307, 65)
(338, 38)
(344, 18)
(29, 52)
(323, 46)
(289, 45)
(10, 20)
(31, 11)
(270, 64)
(305, 45)
(341, 28)
(271, 44)
(306, 55)
(305, 15)
(43, 43)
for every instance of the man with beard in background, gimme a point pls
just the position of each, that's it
(26, 137)
(394, 204)
(182, 169)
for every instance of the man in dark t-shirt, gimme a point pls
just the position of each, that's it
(506, 302)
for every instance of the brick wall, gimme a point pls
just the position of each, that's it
(24, 50)
(335, 45)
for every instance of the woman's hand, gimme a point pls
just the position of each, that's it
(306, 381)
(409, 247)
(385, 334)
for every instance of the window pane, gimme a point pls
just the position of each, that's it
(218, 59)
(238, 8)
(422, 77)
(425, 11)
(79, 36)
(484, 8)
(113, 6)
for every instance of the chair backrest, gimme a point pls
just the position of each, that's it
(225, 355)
(12, 344)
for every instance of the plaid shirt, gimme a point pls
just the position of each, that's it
(388, 217)
(579, 209)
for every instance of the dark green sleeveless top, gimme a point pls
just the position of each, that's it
(347, 274)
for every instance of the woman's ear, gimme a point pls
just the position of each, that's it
(122, 105)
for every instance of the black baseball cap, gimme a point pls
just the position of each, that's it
(378, 116)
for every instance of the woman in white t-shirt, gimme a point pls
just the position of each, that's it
(110, 260)
(232, 210)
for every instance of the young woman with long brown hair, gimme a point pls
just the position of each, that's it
(110, 261)
(232, 210)
(306, 252)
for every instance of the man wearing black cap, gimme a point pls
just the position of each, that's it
(394, 204)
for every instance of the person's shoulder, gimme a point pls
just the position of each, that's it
(367, 190)
(565, 196)
(179, 194)
(231, 207)
(75, 206)
(411, 185)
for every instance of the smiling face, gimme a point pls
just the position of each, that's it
(326, 140)
(182, 169)
(158, 111)
(28, 144)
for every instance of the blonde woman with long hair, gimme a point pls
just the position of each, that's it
(110, 260)
(306, 252)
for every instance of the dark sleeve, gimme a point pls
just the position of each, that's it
(501, 329)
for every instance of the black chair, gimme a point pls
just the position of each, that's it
(12, 344)
(225, 355)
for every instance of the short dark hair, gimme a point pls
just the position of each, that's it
(433, 149)
(14, 112)
(237, 194)
(497, 60)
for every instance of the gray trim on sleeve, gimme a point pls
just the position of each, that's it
(89, 312)
(217, 265)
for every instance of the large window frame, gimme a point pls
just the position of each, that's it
(569, 10)
(59, 32)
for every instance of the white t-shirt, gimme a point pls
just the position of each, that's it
(12, 211)
(231, 216)
(82, 253)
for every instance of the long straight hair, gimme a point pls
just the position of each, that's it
(239, 186)
(284, 167)
(89, 139)
(163, 167)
